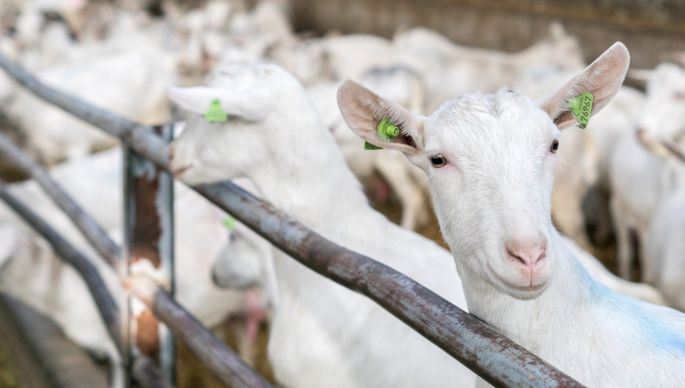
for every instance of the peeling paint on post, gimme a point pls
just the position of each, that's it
(148, 236)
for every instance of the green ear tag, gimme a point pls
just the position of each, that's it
(215, 114)
(370, 147)
(229, 222)
(386, 131)
(581, 106)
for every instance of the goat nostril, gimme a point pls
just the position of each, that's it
(170, 153)
(518, 258)
(527, 254)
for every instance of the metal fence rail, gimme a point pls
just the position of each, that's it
(145, 371)
(219, 358)
(494, 357)
(149, 239)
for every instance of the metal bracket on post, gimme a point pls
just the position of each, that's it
(149, 235)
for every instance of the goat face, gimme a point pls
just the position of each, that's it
(490, 162)
(260, 100)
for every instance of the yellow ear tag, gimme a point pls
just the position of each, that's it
(216, 114)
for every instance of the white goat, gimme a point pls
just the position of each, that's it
(130, 84)
(334, 58)
(665, 250)
(490, 161)
(30, 271)
(449, 69)
(664, 113)
(322, 333)
(638, 156)
(639, 182)
(309, 344)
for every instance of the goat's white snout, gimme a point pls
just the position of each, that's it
(527, 255)
(178, 165)
(525, 265)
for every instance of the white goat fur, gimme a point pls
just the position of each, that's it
(264, 148)
(449, 69)
(665, 250)
(664, 114)
(631, 160)
(322, 333)
(495, 186)
(133, 87)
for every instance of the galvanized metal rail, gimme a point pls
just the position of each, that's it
(492, 356)
(107, 306)
(225, 364)
(93, 232)
(147, 376)
(218, 357)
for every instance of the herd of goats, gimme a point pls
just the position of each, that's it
(520, 192)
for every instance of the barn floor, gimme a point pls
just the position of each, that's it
(8, 378)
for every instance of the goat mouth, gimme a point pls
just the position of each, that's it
(179, 171)
(533, 288)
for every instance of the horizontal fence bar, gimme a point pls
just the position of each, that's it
(677, 153)
(218, 357)
(214, 354)
(146, 373)
(107, 306)
(475, 344)
(94, 233)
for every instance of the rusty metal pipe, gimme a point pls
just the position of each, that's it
(214, 354)
(492, 356)
(475, 344)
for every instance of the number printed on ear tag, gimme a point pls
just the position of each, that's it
(581, 106)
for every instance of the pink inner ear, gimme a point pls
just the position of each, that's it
(563, 117)
(405, 139)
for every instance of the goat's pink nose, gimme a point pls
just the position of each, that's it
(528, 253)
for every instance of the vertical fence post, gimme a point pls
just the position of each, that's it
(149, 235)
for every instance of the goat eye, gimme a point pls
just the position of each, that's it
(438, 161)
(554, 147)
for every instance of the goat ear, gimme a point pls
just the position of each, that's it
(602, 78)
(363, 110)
(245, 105)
